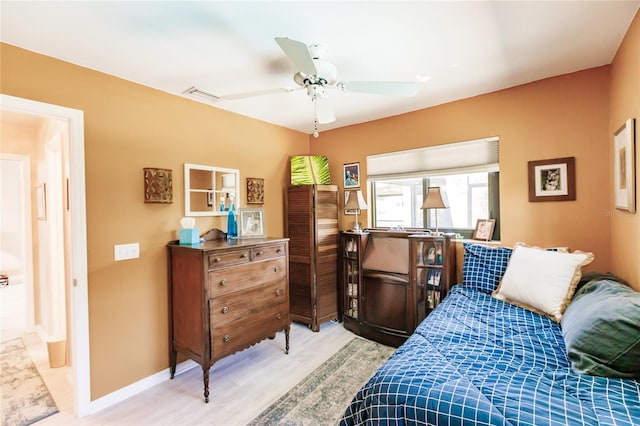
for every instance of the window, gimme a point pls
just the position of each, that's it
(466, 172)
(470, 196)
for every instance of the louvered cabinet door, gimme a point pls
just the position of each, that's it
(312, 229)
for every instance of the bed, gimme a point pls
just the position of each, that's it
(477, 359)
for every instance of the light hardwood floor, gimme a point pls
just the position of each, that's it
(241, 385)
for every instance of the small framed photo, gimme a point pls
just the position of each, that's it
(552, 180)
(624, 167)
(251, 223)
(351, 173)
(210, 198)
(255, 191)
(484, 229)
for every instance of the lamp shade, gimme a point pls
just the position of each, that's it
(355, 201)
(433, 200)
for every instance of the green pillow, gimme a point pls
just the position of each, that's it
(601, 329)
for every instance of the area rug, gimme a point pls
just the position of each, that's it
(322, 397)
(25, 398)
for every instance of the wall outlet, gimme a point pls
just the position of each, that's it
(126, 251)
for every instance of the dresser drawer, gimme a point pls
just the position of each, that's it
(233, 307)
(228, 258)
(228, 280)
(268, 252)
(230, 338)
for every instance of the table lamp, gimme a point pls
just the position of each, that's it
(433, 200)
(356, 202)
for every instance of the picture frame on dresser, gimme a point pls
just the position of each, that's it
(251, 223)
(484, 229)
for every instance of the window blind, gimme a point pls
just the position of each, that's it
(479, 155)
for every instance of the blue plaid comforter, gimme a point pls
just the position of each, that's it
(477, 360)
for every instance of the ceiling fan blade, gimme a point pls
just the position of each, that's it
(253, 93)
(396, 88)
(324, 112)
(298, 53)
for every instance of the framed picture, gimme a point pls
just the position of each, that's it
(251, 223)
(210, 198)
(255, 191)
(346, 197)
(552, 180)
(484, 229)
(41, 201)
(351, 173)
(624, 167)
(158, 185)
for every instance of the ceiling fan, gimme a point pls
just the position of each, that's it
(315, 74)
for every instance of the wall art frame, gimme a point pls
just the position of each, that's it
(351, 175)
(252, 223)
(484, 229)
(624, 173)
(158, 185)
(552, 180)
(255, 191)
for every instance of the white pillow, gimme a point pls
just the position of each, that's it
(542, 281)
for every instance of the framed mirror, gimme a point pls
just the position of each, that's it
(209, 190)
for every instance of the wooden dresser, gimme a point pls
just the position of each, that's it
(225, 296)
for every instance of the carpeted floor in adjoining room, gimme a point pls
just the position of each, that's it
(25, 398)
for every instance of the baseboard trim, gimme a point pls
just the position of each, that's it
(137, 387)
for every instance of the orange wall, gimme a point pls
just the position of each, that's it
(129, 127)
(625, 104)
(564, 116)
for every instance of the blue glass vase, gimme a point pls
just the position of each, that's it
(232, 224)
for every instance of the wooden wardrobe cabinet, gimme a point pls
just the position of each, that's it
(225, 296)
(312, 229)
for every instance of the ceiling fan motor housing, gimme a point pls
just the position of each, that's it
(327, 73)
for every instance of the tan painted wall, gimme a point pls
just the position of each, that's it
(624, 104)
(565, 116)
(129, 127)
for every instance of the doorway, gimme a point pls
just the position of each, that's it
(78, 320)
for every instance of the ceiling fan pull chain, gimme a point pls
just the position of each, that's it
(315, 119)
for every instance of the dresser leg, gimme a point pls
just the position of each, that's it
(205, 379)
(173, 355)
(286, 339)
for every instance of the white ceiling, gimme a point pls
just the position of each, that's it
(461, 49)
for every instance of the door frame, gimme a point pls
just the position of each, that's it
(79, 312)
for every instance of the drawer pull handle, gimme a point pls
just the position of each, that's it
(226, 338)
(278, 292)
(243, 255)
(259, 253)
(278, 250)
(279, 316)
(225, 309)
(217, 259)
(223, 282)
(275, 269)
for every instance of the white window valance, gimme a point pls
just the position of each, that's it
(479, 155)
